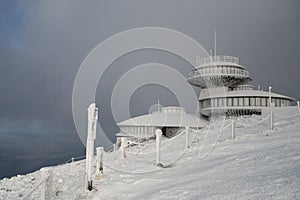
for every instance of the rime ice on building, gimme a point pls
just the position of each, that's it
(169, 119)
(225, 89)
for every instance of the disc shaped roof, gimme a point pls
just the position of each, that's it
(166, 117)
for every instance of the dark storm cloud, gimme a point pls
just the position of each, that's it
(42, 44)
(37, 75)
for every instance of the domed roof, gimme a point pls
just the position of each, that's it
(166, 117)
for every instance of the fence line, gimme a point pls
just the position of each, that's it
(168, 142)
(255, 123)
(215, 144)
(165, 143)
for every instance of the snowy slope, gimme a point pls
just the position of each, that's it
(258, 164)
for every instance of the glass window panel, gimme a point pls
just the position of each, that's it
(277, 103)
(257, 101)
(220, 102)
(241, 101)
(235, 101)
(263, 101)
(246, 101)
(252, 101)
(229, 101)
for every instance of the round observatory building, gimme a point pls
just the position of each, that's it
(225, 89)
(171, 120)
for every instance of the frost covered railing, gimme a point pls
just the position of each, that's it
(216, 59)
(225, 71)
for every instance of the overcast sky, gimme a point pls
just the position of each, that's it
(43, 43)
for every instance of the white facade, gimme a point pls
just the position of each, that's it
(225, 89)
(169, 119)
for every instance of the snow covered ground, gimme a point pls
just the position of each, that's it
(258, 164)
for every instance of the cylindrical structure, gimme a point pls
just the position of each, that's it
(89, 163)
(158, 134)
(298, 104)
(91, 136)
(271, 120)
(270, 96)
(123, 147)
(99, 151)
(187, 135)
(233, 130)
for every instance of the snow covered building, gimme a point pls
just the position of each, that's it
(171, 120)
(225, 90)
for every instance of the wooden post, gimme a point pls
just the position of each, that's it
(187, 134)
(91, 136)
(270, 96)
(99, 151)
(233, 130)
(158, 135)
(271, 121)
(123, 147)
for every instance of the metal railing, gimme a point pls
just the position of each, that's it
(214, 71)
(220, 58)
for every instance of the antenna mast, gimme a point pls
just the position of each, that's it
(215, 48)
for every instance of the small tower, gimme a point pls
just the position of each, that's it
(217, 74)
(225, 90)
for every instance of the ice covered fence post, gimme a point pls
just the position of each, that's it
(298, 104)
(99, 151)
(271, 121)
(47, 193)
(187, 135)
(123, 147)
(270, 96)
(158, 135)
(91, 136)
(233, 129)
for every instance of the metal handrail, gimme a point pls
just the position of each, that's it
(220, 58)
(203, 72)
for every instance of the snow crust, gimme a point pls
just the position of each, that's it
(258, 164)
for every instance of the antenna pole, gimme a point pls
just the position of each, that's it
(215, 48)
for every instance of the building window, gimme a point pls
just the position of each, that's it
(229, 101)
(257, 101)
(206, 103)
(273, 101)
(263, 101)
(277, 102)
(252, 101)
(241, 101)
(235, 101)
(246, 101)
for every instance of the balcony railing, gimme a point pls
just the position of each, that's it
(215, 71)
(214, 59)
